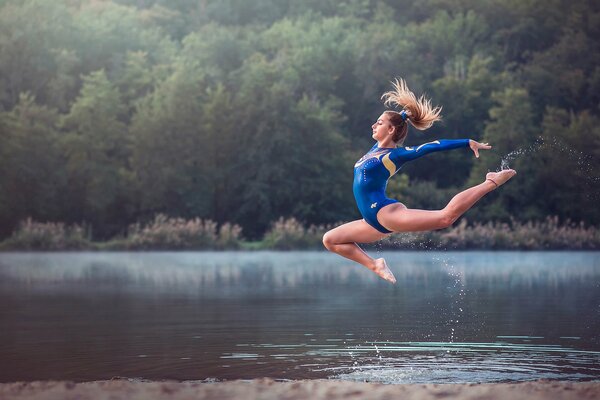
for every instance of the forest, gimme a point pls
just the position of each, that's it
(245, 112)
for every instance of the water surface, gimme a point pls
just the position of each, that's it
(452, 317)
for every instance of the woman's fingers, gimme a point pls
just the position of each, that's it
(476, 146)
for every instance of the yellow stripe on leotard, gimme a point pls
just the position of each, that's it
(388, 164)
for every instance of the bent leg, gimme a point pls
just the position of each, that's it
(342, 240)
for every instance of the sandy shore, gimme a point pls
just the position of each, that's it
(266, 389)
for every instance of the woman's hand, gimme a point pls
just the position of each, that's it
(476, 146)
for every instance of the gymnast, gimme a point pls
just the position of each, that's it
(383, 216)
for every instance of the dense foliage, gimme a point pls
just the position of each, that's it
(247, 111)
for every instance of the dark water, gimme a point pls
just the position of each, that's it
(452, 317)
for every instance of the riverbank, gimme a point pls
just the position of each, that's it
(164, 233)
(266, 389)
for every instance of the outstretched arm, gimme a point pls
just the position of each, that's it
(404, 154)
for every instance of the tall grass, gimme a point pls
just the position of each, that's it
(165, 233)
(290, 234)
(31, 235)
(547, 234)
(541, 235)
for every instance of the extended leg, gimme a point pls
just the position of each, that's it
(397, 218)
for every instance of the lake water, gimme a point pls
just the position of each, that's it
(452, 316)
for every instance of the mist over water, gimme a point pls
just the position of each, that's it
(452, 317)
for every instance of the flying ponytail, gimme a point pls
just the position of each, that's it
(419, 112)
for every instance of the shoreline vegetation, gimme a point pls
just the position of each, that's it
(167, 233)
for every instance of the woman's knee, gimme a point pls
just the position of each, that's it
(447, 218)
(328, 241)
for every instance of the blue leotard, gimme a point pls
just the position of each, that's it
(373, 170)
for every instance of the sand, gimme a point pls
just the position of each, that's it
(266, 389)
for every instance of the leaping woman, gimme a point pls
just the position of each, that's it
(383, 216)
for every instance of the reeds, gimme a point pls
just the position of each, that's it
(531, 235)
(31, 235)
(165, 233)
(549, 234)
(290, 234)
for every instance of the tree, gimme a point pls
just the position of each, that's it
(30, 164)
(96, 147)
(292, 161)
(29, 33)
(168, 145)
(511, 132)
(570, 165)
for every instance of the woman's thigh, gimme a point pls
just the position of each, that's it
(397, 218)
(356, 231)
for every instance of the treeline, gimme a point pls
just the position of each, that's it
(246, 111)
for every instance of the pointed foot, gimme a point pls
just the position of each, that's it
(501, 177)
(383, 271)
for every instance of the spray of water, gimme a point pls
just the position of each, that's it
(457, 295)
(521, 151)
(585, 162)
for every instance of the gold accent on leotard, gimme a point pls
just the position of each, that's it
(388, 164)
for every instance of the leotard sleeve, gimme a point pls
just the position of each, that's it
(402, 155)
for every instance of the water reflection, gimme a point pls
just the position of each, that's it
(452, 317)
(290, 269)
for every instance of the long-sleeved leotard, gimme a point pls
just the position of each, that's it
(373, 170)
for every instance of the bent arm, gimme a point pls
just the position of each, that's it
(404, 154)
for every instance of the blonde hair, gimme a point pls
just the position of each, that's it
(420, 112)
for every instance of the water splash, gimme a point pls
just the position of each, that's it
(585, 162)
(509, 358)
(457, 294)
(521, 151)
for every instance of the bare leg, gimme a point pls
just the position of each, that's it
(342, 240)
(396, 217)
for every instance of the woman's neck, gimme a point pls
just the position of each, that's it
(386, 144)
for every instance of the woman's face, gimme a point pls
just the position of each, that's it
(382, 128)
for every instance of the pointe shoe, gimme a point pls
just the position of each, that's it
(383, 271)
(500, 178)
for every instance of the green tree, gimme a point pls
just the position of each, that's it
(64, 85)
(511, 132)
(293, 161)
(465, 95)
(560, 75)
(97, 148)
(167, 133)
(569, 160)
(136, 79)
(30, 165)
(29, 33)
